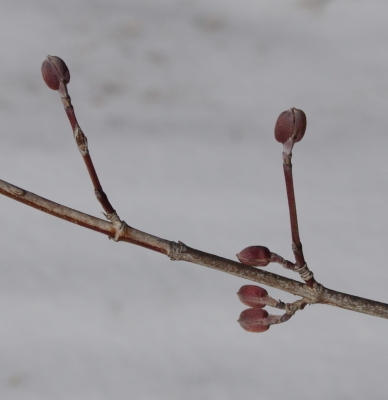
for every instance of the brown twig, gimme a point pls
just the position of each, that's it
(57, 76)
(296, 243)
(179, 251)
(289, 129)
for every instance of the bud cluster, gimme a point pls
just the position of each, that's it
(255, 319)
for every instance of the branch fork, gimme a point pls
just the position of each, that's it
(289, 129)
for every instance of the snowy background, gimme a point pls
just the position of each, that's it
(178, 100)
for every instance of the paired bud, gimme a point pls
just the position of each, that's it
(255, 256)
(291, 123)
(55, 71)
(253, 320)
(252, 296)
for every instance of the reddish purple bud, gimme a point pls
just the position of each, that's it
(252, 295)
(55, 71)
(290, 123)
(255, 256)
(252, 320)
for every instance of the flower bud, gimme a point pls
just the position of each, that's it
(255, 256)
(252, 320)
(55, 71)
(290, 123)
(252, 295)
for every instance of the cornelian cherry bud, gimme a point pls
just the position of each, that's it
(252, 296)
(55, 71)
(252, 320)
(255, 256)
(290, 123)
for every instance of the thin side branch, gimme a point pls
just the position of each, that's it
(82, 144)
(179, 251)
(56, 75)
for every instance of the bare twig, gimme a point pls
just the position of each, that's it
(57, 76)
(289, 129)
(179, 251)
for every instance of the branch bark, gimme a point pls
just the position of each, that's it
(179, 251)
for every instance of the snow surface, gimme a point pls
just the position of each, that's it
(178, 100)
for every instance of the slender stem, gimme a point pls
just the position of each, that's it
(296, 243)
(82, 144)
(280, 260)
(178, 251)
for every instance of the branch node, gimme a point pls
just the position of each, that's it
(99, 195)
(176, 250)
(117, 224)
(81, 140)
(304, 272)
(316, 291)
(292, 308)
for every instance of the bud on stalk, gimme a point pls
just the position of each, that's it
(252, 296)
(55, 71)
(291, 123)
(255, 256)
(252, 320)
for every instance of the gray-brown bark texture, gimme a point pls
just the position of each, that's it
(179, 251)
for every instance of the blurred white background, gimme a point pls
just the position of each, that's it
(178, 100)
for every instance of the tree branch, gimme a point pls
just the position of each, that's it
(289, 129)
(179, 251)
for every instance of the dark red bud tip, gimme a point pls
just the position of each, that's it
(290, 123)
(251, 320)
(55, 71)
(252, 295)
(255, 256)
